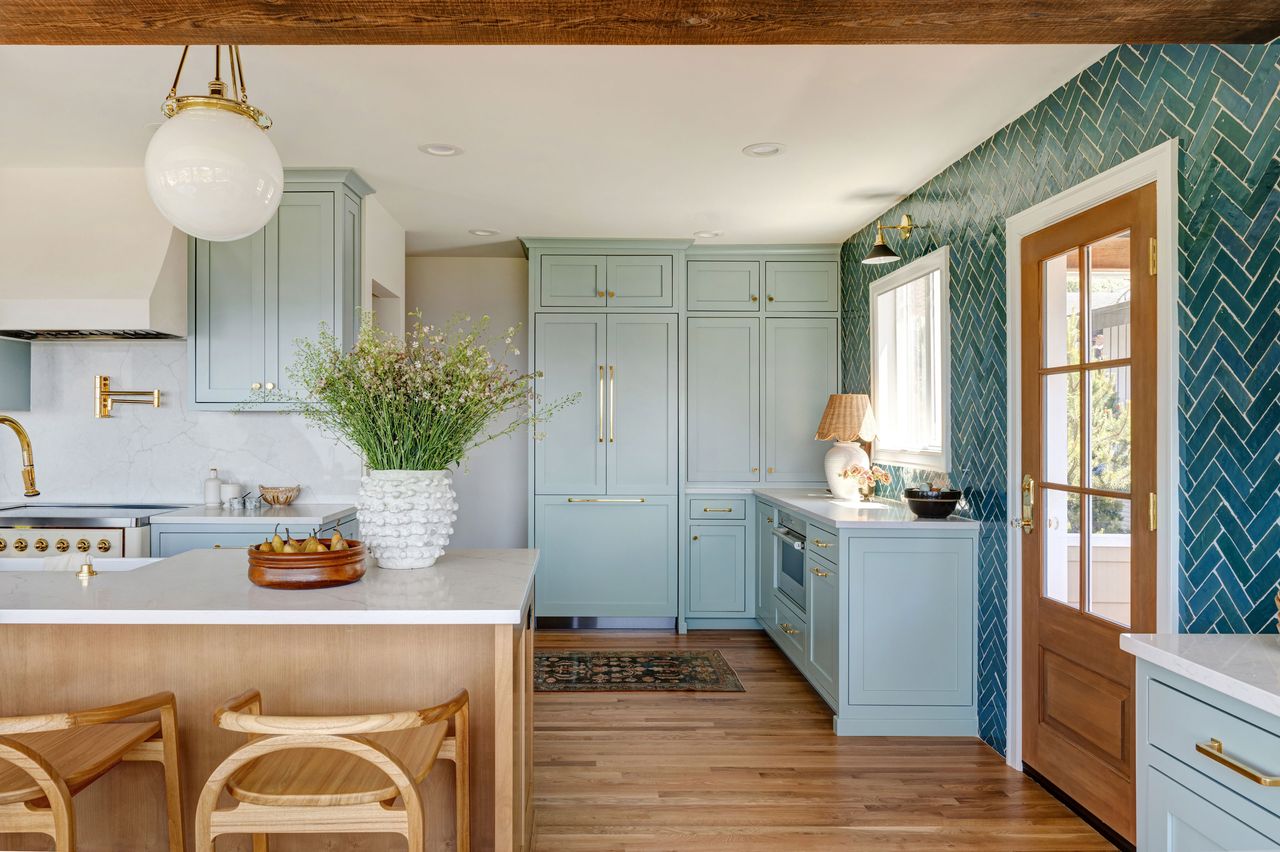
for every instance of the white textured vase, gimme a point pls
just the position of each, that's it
(406, 516)
(842, 456)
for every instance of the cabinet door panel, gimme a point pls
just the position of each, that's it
(717, 569)
(606, 559)
(802, 285)
(306, 293)
(229, 305)
(801, 372)
(766, 559)
(643, 391)
(724, 285)
(823, 611)
(570, 354)
(724, 399)
(639, 281)
(15, 375)
(1179, 820)
(572, 281)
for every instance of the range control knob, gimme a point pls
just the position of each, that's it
(42, 545)
(20, 545)
(4, 545)
(63, 545)
(83, 545)
(103, 545)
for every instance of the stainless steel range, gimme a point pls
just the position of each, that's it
(102, 529)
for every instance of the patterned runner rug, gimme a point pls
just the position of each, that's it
(633, 671)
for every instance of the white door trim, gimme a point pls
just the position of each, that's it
(1160, 164)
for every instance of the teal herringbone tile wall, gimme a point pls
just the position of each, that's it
(1222, 104)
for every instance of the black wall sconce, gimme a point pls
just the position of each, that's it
(880, 252)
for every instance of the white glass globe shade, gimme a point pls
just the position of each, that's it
(214, 174)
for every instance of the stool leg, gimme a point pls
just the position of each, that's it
(462, 777)
(172, 777)
(64, 826)
(260, 843)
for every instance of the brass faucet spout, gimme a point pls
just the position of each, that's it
(28, 462)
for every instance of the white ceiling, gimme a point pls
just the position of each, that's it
(569, 141)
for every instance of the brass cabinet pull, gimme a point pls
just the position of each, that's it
(755, 298)
(271, 385)
(612, 294)
(606, 499)
(695, 538)
(599, 294)
(819, 572)
(256, 386)
(769, 518)
(771, 298)
(611, 401)
(769, 470)
(1027, 523)
(755, 470)
(817, 542)
(709, 509)
(1213, 751)
(789, 630)
(600, 407)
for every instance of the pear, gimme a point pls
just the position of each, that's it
(338, 542)
(265, 547)
(277, 543)
(311, 545)
(289, 547)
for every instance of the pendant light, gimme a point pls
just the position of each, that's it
(210, 168)
(880, 252)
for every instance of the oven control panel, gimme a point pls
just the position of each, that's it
(41, 542)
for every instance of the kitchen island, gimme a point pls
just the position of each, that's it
(194, 625)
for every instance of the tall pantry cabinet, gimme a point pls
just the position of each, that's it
(672, 390)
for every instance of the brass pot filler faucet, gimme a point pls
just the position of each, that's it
(28, 464)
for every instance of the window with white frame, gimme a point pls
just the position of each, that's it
(911, 363)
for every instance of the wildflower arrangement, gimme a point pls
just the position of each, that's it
(421, 403)
(866, 478)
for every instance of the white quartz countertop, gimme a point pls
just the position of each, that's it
(817, 505)
(212, 587)
(1243, 666)
(298, 514)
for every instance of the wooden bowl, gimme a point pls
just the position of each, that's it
(307, 570)
(279, 495)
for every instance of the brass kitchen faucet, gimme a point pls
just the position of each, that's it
(28, 464)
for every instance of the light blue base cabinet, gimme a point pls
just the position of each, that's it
(172, 539)
(1187, 801)
(887, 632)
(607, 557)
(15, 375)
(719, 588)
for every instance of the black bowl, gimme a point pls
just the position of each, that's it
(935, 505)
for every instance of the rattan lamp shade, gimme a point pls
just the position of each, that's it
(848, 418)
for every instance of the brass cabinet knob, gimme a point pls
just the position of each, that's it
(103, 545)
(63, 545)
(612, 294)
(256, 386)
(20, 545)
(83, 545)
(42, 545)
(769, 518)
(695, 538)
(755, 470)
(769, 470)
(755, 298)
(771, 298)
(599, 294)
(217, 547)
(271, 385)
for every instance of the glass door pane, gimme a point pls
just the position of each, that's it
(1061, 276)
(1109, 432)
(1109, 285)
(1110, 539)
(1060, 530)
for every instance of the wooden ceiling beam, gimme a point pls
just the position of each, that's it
(638, 21)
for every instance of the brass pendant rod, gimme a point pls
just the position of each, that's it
(217, 62)
(231, 61)
(244, 91)
(173, 90)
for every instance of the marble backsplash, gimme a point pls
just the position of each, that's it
(146, 454)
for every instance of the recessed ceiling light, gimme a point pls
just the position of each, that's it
(706, 235)
(484, 232)
(440, 149)
(764, 149)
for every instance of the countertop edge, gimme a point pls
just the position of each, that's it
(1206, 676)
(952, 523)
(264, 618)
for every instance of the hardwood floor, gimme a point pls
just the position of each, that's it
(761, 770)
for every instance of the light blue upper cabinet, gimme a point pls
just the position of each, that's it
(643, 392)
(572, 281)
(717, 569)
(796, 286)
(571, 357)
(724, 285)
(801, 372)
(15, 375)
(250, 300)
(639, 281)
(724, 399)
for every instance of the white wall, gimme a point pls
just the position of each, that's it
(384, 267)
(493, 489)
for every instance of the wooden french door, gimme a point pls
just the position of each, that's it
(1088, 495)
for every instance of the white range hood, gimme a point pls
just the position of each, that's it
(85, 254)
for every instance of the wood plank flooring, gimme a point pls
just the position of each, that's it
(761, 770)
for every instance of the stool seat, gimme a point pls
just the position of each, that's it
(303, 777)
(79, 755)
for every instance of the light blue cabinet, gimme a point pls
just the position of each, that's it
(15, 375)
(640, 281)
(606, 281)
(251, 299)
(724, 285)
(570, 354)
(717, 570)
(172, 539)
(642, 418)
(724, 399)
(606, 557)
(802, 286)
(822, 596)
(572, 281)
(1181, 820)
(766, 560)
(802, 369)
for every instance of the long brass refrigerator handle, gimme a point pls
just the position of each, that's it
(606, 500)
(611, 401)
(600, 407)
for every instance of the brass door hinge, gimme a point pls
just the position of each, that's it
(1151, 256)
(1152, 511)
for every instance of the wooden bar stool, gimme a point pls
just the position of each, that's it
(45, 760)
(322, 774)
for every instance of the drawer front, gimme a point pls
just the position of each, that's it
(823, 543)
(174, 543)
(1178, 724)
(790, 630)
(1178, 819)
(717, 510)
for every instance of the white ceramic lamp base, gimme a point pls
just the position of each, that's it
(842, 456)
